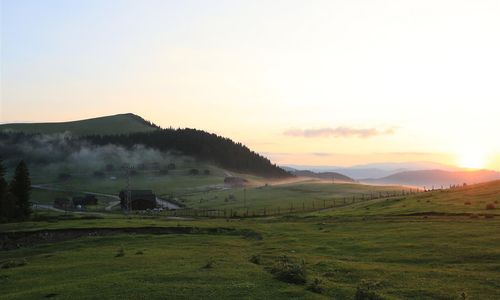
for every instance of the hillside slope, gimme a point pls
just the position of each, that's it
(200, 144)
(93, 141)
(479, 199)
(116, 124)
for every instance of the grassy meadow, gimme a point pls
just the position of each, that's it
(424, 246)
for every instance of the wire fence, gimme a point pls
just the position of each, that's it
(293, 207)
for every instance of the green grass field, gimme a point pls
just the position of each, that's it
(403, 248)
(307, 194)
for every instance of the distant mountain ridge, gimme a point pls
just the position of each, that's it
(436, 178)
(320, 175)
(377, 170)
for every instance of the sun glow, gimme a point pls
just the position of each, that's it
(472, 159)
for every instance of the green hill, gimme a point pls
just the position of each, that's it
(116, 124)
(17, 141)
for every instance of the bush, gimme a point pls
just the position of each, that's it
(255, 259)
(467, 203)
(365, 291)
(64, 176)
(490, 206)
(316, 286)
(13, 263)
(194, 172)
(120, 252)
(206, 172)
(99, 174)
(288, 270)
(209, 264)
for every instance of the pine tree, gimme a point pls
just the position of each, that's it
(3, 194)
(9, 207)
(20, 187)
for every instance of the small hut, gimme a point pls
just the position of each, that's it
(63, 203)
(84, 201)
(139, 199)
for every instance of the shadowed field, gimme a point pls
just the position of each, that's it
(427, 256)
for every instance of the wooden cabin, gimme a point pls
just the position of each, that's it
(139, 199)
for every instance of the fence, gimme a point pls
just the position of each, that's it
(294, 207)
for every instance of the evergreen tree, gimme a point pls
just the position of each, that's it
(3, 193)
(20, 187)
(9, 207)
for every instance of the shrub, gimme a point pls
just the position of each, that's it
(120, 252)
(194, 172)
(467, 203)
(99, 174)
(316, 286)
(255, 259)
(209, 264)
(288, 270)
(490, 206)
(64, 176)
(13, 263)
(366, 291)
(139, 252)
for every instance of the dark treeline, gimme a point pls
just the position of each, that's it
(200, 144)
(15, 196)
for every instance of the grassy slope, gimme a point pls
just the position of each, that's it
(468, 200)
(411, 257)
(297, 195)
(117, 124)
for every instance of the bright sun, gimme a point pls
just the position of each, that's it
(472, 159)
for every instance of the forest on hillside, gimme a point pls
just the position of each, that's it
(205, 146)
(50, 148)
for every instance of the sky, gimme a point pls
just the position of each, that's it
(335, 83)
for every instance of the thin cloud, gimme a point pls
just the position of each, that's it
(339, 132)
(322, 154)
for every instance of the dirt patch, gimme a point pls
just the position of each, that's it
(445, 214)
(434, 214)
(13, 240)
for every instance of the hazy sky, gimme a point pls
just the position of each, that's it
(304, 82)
